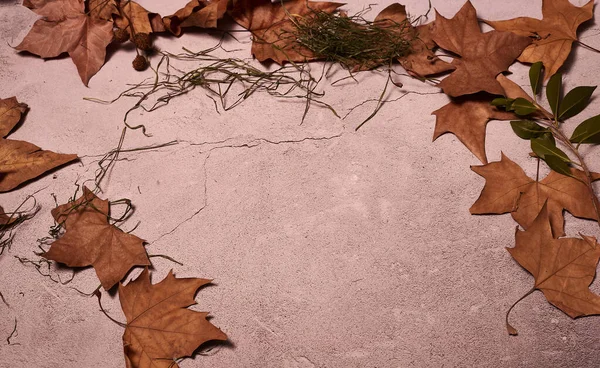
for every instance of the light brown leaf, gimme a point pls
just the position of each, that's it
(66, 28)
(467, 117)
(140, 19)
(160, 328)
(421, 61)
(11, 111)
(196, 13)
(552, 36)
(508, 189)
(482, 55)
(90, 240)
(563, 269)
(269, 23)
(22, 161)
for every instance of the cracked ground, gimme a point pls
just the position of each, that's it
(328, 247)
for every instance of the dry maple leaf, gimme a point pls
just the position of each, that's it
(563, 268)
(66, 28)
(196, 13)
(552, 36)
(508, 189)
(482, 55)
(160, 328)
(21, 161)
(421, 61)
(268, 23)
(90, 240)
(466, 117)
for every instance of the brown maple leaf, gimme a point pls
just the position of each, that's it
(563, 268)
(196, 13)
(482, 55)
(508, 189)
(421, 61)
(160, 328)
(21, 161)
(552, 36)
(66, 28)
(90, 240)
(467, 116)
(269, 22)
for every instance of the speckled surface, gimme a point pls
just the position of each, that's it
(328, 247)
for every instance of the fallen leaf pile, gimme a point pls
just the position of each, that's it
(563, 267)
(159, 326)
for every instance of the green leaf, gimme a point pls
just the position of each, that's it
(558, 165)
(500, 101)
(588, 131)
(522, 107)
(553, 92)
(527, 129)
(575, 101)
(535, 73)
(546, 146)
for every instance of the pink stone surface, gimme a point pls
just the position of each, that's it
(328, 247)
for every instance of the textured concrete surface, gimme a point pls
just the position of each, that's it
(328, 247)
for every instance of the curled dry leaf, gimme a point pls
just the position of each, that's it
(272, 28)
(421, 61)
(160, 328)
(90, 240)
(65, 27)
(563, 268)
(552, 36)
(103, 9)
(482, 55)
(21, 161)
(508, 189)
(196, 13)
(135, 19)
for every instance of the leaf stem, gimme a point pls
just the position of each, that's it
(587, 46)
(98, 293)
(511, 330)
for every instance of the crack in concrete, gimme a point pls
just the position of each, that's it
(251, 144)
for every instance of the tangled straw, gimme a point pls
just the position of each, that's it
(352, 41)
(220, 77)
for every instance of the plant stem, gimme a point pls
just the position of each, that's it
(511, 330)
